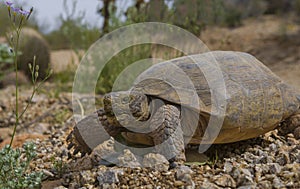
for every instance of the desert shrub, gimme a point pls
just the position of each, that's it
(118, 63)
(232, 18)
(33, 44)
(74, 35)
(6, 61)
(74, 32)
(5, 54)
(14, 164)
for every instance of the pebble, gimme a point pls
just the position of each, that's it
(128, 159)
(274, 168)
(156, 161)
(183, 173)
(178, 183)
(60, 187)
(47, 173)
(277, 183)
(108, 177)
(87, 177)
(228, 167)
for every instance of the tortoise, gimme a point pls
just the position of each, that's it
(161, 107)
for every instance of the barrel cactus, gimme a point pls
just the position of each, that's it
(33, 44)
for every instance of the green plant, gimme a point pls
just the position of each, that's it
(14, 165)
(5, 54)
(214, 160)
(59, 166)
(6, 60)
(118, 63)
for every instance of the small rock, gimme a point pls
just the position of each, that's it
(283, 158)
(156, 161)
(274, 168)
(273, 147)
(73, 185)
(228, 167)
(187, 178)
(182, 170)
(287, 175)
(108, 186)
(224, 181)
(84, 163)
(178, 183)
(50, 184)
(128, 159)
(108, 177)
(247, 187)
(243, 176)
(265, 159)
(67, 179)
(277, 183)
(40, 128)
(265, 184)
(47, 173)
(60, 187)
(262, 168)
(87, 177)
(183, 173)
(207, 184)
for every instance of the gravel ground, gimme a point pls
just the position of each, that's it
(269, 161)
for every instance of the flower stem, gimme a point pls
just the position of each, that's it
(18, 31)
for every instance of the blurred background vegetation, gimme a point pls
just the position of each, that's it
(193, 15)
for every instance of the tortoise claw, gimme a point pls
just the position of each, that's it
(76, 151)
(82, 154)
(71, 145)
(70, 136)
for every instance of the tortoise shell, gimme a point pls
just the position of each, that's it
(254, 99)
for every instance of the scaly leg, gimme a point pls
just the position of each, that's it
(167, 134)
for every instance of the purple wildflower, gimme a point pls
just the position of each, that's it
(16, 10)
(24, 12)
(8, 3)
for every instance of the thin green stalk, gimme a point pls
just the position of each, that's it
(18, 31)
(32, 94)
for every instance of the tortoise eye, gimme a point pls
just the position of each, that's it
(125, 100)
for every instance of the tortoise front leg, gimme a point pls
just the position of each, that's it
(167, 134)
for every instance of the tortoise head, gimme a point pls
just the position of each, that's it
(122, 108)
